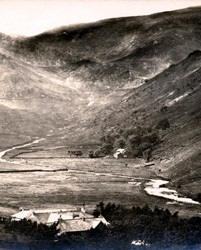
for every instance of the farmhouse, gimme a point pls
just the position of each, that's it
(120, 153)
(70, 220)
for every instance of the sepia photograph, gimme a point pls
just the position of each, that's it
(100, 125)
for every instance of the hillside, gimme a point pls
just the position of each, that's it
(110, 81)
(173, 95)
(32, 101)
(115, 53)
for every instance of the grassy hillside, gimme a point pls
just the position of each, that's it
(168, 106)
(32, 101)
(117, 52)
(132, 80)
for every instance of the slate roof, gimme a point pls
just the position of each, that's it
(40, 217)
(67, 221)
(76, 225)
(25, 214)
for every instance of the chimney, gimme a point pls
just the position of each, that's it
(83, 208)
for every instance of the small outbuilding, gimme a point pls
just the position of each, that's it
(120, 153)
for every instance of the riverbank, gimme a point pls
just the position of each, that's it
(156, 188)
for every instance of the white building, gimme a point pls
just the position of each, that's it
(120, 153)
(70, 220)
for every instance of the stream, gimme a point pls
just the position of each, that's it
(153, 187)
(2, 153)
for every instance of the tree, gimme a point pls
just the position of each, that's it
(100, 207)
(106, 148)
(134, 141)
(120, 143)
(163, 124)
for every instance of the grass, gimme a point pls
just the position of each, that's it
(87, 180)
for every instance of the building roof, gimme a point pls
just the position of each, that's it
(53, 218)
(121, 150)
(75, 225)
(24, 214)
(103, 220)
(85, 215)
(54, 210)
(40, 217)
(67, 221)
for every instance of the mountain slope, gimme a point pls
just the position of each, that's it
(174, 96)
(118, 52)
(32, 101)
(117, 79)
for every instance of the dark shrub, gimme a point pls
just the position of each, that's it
(163, 124)
(134, 141)
(106, 148)
(198, 197)
(120, 143)
(128, 132)
(151, 138)
(164, 109)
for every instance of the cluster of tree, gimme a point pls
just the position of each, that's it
(197, 197)
(157, 229)
(32, 229)
(139, 142)
(96, 154)
(163, 124)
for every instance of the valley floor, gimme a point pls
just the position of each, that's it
(44, 182)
